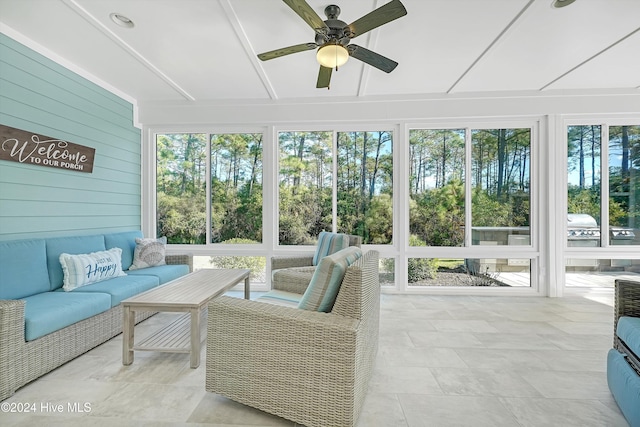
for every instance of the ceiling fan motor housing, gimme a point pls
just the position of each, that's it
(336, 33)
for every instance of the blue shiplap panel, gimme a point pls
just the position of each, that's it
(33, 63)
(41, 96)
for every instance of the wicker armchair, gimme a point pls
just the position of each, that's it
(623, 361)
(309, 367)
(626, 303)
(293, 273)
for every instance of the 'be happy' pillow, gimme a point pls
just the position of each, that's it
(149, 253)
(83, 269)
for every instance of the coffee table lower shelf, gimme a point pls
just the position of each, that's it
(189, 294)
(175, 337)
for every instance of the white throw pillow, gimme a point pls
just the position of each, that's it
(83, 269)
(149, 253)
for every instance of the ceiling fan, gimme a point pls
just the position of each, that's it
(333, 37)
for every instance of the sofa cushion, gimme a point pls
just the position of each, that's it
(292, 279)
(125, 241)
(120, 288)
(329, 243)
(23, 268)
(287, 299)
(49, 311)
(628, 330)
(165, 273)
(324, 286)
(149, 253)
(624, 384)
(83, 269)
(71, 245)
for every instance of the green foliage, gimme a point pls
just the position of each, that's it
(584, 201)
(487, 211)
(379, 220)
(256, 264)
(181, 219)
(420, 268)
(303, 213)
(437, 215)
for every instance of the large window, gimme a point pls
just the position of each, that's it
(583, 193)
(624, 185)
(232, 163)
(181, 166)
(588, 195)
(365, 185)
(436, 180)
(236, 188)
(306, 167)
(359, 201)
(467, 191)
(500, 178)
(447, 209)
(500, 186)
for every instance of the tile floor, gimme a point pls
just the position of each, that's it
(443, 361)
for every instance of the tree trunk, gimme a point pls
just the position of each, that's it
(502, 148)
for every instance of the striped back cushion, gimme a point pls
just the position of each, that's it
(329, 243)
(324, 286)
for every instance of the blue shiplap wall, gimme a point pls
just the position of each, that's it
(40, 96)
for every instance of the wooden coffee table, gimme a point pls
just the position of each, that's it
(189, 294)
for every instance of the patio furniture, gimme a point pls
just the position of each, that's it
(293, 273)
(309, 367)
(189, 294)
(623, 361)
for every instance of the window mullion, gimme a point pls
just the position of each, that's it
(468, 152)
(604, 186)
(334, 183)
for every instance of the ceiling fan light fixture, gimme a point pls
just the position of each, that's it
(332, 55)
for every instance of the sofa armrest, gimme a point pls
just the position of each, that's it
(627, 299)
(11, 345)
(280, 262)
(234, 319)
(11, 321)
(180, 259)
(626, 302)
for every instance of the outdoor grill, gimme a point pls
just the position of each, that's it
(622, 236)
(583, 231)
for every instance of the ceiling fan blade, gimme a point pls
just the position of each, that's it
(324, 77)
(365, 55)
(387, 13)
(302, 8)
(286, 51)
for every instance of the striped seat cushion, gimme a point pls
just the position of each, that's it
(329, 243)
(288, 299)
(324, 286)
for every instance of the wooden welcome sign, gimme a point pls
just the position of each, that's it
(25, 147)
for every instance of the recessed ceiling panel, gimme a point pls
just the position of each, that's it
(436, 42)
(618, 67)
(547, 42)
(206, 50)
(55, 26)
(191, 42)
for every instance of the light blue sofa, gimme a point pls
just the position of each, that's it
(623, 361)
(41, 325)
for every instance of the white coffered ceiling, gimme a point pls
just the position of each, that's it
(205, 50)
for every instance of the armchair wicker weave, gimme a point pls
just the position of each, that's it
(309, 367)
